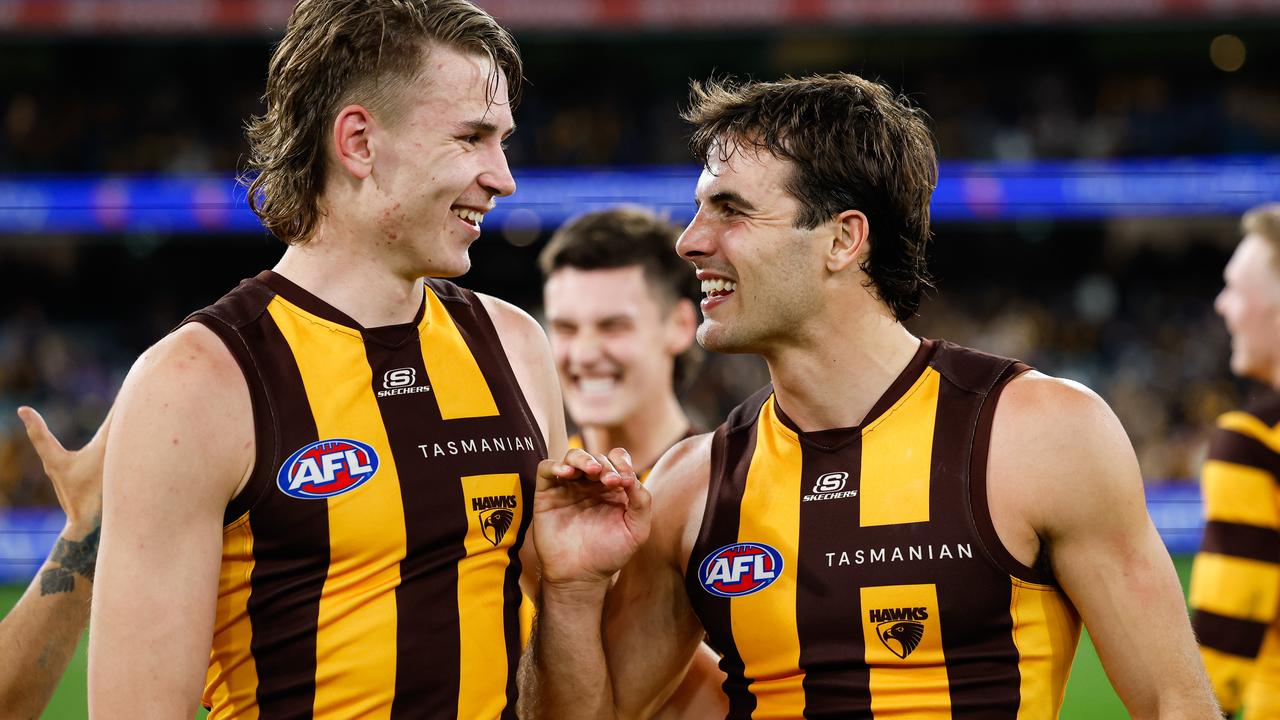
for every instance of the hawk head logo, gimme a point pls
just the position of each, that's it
(900, 637)
(495, 523)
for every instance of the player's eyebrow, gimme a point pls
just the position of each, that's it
(729, 197)
(483, 127)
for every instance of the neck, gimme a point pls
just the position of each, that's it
(337, 268)
(834, 377)
(646, 434)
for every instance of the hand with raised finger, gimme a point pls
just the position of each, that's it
(76, 474)
(591, 514)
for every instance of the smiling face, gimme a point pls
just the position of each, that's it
(439, 166)
(1250, 305)
(761, 275)
(614, 342)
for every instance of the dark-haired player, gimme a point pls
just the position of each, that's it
(896, 527)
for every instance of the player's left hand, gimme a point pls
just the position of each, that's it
(591, 514)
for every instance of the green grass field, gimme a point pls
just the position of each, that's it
(1089, 695)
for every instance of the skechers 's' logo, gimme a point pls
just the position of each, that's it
(900, 629)
(401, 381)
(740, 569)
(830, 487)
(326, 468)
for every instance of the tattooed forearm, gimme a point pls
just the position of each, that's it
(68, 559)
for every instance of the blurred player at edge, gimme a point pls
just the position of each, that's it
(1235, 582)
(992, 501)
(39, 633)
(328, 473)
(618, 311)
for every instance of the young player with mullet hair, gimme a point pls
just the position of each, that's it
(327, 474)
(896, 527)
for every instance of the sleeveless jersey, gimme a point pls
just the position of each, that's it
(1235, 582)
(856, 572)
(369, 565)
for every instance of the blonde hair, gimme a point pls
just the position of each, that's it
(338, 52)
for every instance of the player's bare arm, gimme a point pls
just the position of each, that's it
(40, 633)
(1063, 474)
(650, 633)
(652, 638)
(530, 357)
(181, 446)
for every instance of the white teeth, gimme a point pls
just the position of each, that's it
(596, 385)
(472, 216)
(718, 285)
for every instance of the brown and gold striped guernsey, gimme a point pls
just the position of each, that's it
(370, 566)
(856, 572)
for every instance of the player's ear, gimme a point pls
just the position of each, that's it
(352, 140)
(850, 240)
(681, 326)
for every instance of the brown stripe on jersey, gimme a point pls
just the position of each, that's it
(284, 604)
(984, 682)
(1234, 447)
(1246, 541)
(477, 328)
(427, 622)
(829, 608)
(734, 441)
(1227, 634)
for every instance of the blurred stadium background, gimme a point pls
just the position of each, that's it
(1096, 156)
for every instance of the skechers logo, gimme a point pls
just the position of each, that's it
(740, 569)
(830, 487)
(401, 381)
(327, 468)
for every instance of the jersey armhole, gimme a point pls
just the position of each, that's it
(266, 439)
(717, 467)
(980, 508)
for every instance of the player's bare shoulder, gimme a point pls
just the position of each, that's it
(678, 484)
(188, 391)
(1056, 445)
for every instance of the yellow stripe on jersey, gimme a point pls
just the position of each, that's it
(1235, 587)
(1262, 694)
(1246, 424)
(465, 393)
(1227, 673)
(231, 663)
(1239, 494)
(481, 576)
(1046, 631)
(896, 460)
(917, 683)
(764, 623)
(356, 624)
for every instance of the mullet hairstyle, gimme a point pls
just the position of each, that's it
(624, 237)
(853, 145)
(338, 52)
(1264, 220)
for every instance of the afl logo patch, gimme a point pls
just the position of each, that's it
(327, 468)
(740, 569)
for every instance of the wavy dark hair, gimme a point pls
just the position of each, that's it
(338, 52)
(624, 237)
(853, 145)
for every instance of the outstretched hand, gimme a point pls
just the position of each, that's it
(76, 474)
(591, 514)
